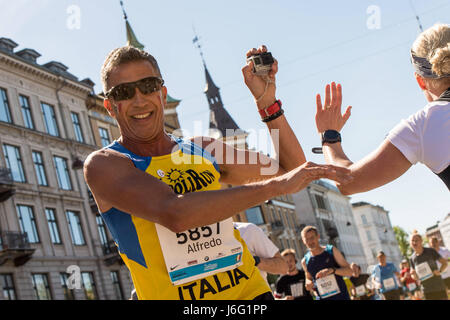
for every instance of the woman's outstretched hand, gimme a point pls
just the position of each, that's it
(329, 116)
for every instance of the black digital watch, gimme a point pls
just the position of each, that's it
(331, 136)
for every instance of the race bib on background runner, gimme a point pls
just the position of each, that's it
(411, 286)
(389, 284)
(424, 271)
(297, 289)
(327, 286)
(200, 252)
(360, 290)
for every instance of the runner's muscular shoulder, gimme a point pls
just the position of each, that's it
(115, 182)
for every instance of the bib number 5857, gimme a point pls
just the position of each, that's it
(195, 234)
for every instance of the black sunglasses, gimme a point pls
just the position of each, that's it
(125, 91)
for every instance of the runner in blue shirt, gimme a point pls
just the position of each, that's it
(386, 278)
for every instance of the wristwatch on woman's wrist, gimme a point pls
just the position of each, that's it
(331, 136)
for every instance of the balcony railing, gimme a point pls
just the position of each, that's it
(14, 246)
(6, 184)
(277, 226)
(111, 253)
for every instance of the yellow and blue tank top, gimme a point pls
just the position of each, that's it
(138, 242)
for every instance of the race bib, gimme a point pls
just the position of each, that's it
(412, 286)
(389, 284)
(327, 286)
(424, 271)
(200, 252)
(360, 290)
(297, 289)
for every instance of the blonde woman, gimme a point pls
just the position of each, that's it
(423, 137)
(424, 268)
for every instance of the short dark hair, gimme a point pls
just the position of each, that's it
(123, 55)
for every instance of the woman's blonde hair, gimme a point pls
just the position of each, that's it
(434, 45)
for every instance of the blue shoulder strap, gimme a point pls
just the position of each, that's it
(307, 257)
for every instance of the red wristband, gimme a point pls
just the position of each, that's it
(270, 110)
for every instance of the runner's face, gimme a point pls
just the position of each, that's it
(382, 259)
(416, 243)
(434, 243)
(290, 260)
(149, 107)
(311, 239)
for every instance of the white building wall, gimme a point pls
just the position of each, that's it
(376, 233)
(348, 233)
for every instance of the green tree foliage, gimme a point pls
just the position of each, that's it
(403, 241)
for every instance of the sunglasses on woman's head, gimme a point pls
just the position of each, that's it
(125, 91)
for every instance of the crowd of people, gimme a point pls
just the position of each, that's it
(162, 197)
(326, 275)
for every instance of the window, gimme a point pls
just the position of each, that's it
(39, 168)
(41, 286)
(5, 115)
(369, 235)
(364, 219)
(51, 126)
(62, 173)
(14, 162)
(26, 112)
(320, 202)
(7, 285)
(53, 225)
(116, 284)
(254, 215)
(76, 231)
(27, 222)
(89, 285)
(104, 136)
(102, 232)
(68, 293)
(77, 127)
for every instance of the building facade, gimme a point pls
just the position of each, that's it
(52, 237)
(322, 205)
(47, 223)
(376, 233)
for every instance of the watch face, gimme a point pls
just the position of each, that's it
(331, 135)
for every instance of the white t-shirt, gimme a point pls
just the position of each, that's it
(257, 242)
(425, 136)
(445, 253)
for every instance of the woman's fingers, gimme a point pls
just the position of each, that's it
(347, 114)
(318, 103)
(327, 96)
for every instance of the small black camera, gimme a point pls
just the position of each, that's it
(262, 63)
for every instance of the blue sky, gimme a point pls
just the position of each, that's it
(315, 42)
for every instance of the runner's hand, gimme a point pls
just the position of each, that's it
(309, 285)
(437, 273)
(323, 273)
(300, 177)
(328, 116)
(289, 298)
(257, 84)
